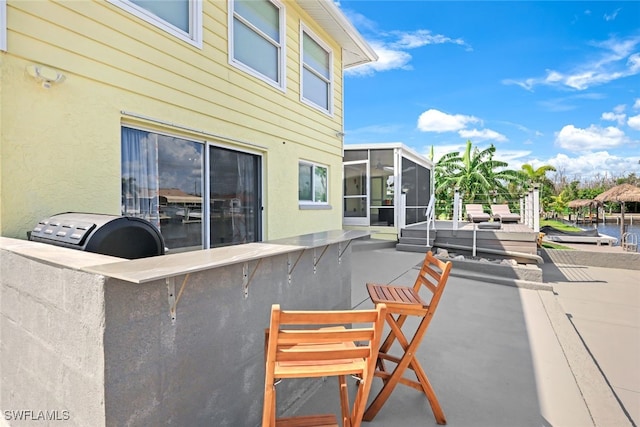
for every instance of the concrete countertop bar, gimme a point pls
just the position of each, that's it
(149, 269)
(314, 240)
(161, 267)
(55, 255)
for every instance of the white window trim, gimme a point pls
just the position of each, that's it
(282, 69)
(310, 204)
(325, 46)
(194, 37)
(3, 25)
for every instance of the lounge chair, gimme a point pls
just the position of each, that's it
(503, 214)
(475, 213)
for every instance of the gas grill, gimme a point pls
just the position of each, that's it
(119, 236)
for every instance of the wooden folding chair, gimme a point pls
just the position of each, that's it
(404, 301)
(302, 344)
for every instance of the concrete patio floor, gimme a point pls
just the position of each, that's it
(501, 355)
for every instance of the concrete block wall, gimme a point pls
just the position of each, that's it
(621, 260)
(51, 343)
(207, 367)
(99, 351)
(528, 272)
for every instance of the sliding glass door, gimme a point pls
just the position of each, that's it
(234, 194)
(166, 181)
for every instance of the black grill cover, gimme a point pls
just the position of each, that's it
(119, 236)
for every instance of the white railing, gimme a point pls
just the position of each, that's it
(402, 214)
(529, 209)
(430, 214)
(457, 204)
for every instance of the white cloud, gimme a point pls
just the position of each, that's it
(392, 46)
(513, 157)
(634, 63)
(611, 16)
(590, 165)
(634, 122)
(437, 121)
(616, 60)
(482, 135)
(419, 38)
(594, 137)
(359, 20)
(568, 103)
(619, 108)
(553, 77)
(614, 117)
(585, 80)
(440, 150)
(636, 105)
(388, 59)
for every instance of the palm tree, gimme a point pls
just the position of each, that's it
(539, 176)
(476, 173)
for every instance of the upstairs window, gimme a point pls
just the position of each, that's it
(256, 40)
(313, 185)
(182, 18)
(316, 62)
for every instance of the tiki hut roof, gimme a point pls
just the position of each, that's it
(620, 193)
(581, 203)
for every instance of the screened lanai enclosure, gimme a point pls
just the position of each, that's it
(385, 186)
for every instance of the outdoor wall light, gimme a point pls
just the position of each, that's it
(45, 75)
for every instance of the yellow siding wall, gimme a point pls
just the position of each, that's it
(60, 147)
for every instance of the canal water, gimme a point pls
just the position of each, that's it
(612, 229)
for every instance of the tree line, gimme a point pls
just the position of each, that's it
(480, 178)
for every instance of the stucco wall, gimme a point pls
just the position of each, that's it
(51, 343)
(208, 366)
(108, 352)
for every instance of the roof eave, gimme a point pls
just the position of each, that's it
(356, 51)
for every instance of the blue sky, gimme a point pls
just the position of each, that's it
(546, 82)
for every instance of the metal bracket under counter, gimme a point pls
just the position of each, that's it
(317, 240)
(172, 297)
(342, 251)
(291, 265)
(316, 259)
(171, 266)
(246, 278)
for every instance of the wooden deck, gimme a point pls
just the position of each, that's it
(513, 240)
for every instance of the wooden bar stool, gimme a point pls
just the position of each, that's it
(304, 344)
(403, 301)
